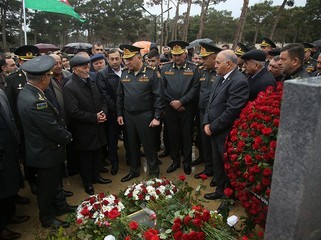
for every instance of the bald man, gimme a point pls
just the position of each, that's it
(228, 96)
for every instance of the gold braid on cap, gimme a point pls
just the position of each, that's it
(204, 52)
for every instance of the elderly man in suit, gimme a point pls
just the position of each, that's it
(86, 112)
(259, 76)
(228, 96)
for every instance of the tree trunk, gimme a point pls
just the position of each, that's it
(239, 31)
(3, 24)
(276, 21)
(162, 24)
(187, 20)
(174, 29)
(257, 29)
(165, 41)
(204, 8)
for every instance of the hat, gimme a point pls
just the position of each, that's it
(275, 52)
(178, 47)
(241, 49)
(96, 57)
(257, 55)
(208, 49)
(78, 61)
(26, 52)
(129, 50)
(153, 46)
(267, 43)
(307, 46)
(39, 65)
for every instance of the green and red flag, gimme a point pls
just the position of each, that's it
(56, 6)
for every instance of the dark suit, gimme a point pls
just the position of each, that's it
(107, 82)
(82, 103)
(225, 104)
(10, 174)
(260, 82)
(46, 137)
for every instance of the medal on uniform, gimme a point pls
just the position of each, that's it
(19, 86)
(41, 97)
(144, 78)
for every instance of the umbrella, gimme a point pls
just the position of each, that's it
(46, 47)
(73, 48)
(317, 43)
(196, 42)
(143, 44)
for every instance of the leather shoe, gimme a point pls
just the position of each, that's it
(114, 170)
(68, 193)
(128, 177)
(163, 154)
(198, 175)
(89, 190)
(213, 183)
(19, 219)
(197, 161)
(160, 162)
(214, 195)
(104, 170)
(102, 180)
(187, 169)
(173, 167)
(223, 206)
(66, 209)
(21, 200)
(56, 223)
(7, 234)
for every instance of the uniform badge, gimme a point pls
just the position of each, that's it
(19, 86)
(42, 105)
(126, 79)
(143, 78)
(169, 73)
(213, 78)
(202, 79)
(188, 72)
(41, 97)
(158, 74)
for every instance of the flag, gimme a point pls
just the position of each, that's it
(56, 6)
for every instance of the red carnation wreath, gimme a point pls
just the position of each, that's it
(250, 153)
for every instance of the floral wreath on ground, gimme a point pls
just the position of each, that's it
(177, 214)
(250, 154)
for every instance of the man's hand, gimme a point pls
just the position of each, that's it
(207, 130)
(154, 123)
(120, 120)
(176, 104)
(101, 117)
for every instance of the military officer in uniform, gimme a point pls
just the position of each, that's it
(15, 83)
(266, 46)
(46, 136)
(310, 64)
(240, 50)
(139, 107)
(292, 57)
(207, 79)
(180, 83)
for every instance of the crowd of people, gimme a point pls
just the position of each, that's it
(59, 113)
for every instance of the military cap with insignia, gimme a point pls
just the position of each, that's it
(275, 52)
(96, 57)
(208, 49)
(177, 47)
(307, 46)
(257, 55)
(39, 65)
(78, 61)
(129, 50)
(26, 52)
(267, 43)
(241, 49)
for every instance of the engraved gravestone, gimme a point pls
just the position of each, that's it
(295, 200)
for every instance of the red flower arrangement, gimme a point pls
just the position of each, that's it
(250, 153)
